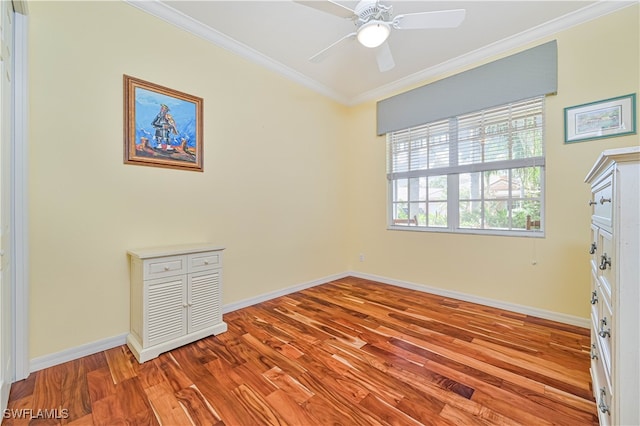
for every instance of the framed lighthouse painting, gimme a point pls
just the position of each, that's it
(162, 126)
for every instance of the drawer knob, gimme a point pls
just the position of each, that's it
(166, 268)
(605, 200)
(593, 248)
(602, 405)
(594, 297)
(594, 354)
(206, 262)
(604, 262)
(603, 332)
(592, 203)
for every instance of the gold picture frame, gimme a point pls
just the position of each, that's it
(162, 126)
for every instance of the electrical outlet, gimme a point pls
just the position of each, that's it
(361, 257)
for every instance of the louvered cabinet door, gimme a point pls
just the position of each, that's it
(204, 300)
(176, 297)
(165, 309)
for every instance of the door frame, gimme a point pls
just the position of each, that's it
(20, 202)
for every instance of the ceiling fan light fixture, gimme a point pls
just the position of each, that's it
(373, 33)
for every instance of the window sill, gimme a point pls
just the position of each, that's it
(488, 232)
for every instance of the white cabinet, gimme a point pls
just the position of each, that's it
(615, 285)
(175, 297)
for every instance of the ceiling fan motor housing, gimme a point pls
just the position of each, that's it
(367, 10)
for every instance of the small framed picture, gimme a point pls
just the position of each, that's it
(602, 119)
(162, 126)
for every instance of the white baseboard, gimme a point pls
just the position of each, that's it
(70, 354)
(272, 295)
(91, 348)
(521, 309)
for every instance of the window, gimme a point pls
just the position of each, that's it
(481, 172)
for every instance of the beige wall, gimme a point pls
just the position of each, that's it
(272, 190)
(294, 184)
(596, 60)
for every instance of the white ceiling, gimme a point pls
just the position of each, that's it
(282, 35)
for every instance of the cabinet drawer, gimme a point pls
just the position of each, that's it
(602, 201)
(165, 267)
(606, 262)
(204, 261)
(601, 392)
(595, 299)
(594, 248)
(594, 352)
(604, 329)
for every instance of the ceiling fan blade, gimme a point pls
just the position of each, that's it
(319, 57)
(328, 6)
(384, 57)
(440, 19)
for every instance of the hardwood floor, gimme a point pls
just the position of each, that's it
(350, 352)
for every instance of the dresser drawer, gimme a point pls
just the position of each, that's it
(204, 261)
(602, 201)
(606, 262)
(594, 352)
(595, 299)
(604, 329)
(593, 247)
(164, 267)
(602, 392)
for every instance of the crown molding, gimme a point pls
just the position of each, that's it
(180, 20)
(172, 16)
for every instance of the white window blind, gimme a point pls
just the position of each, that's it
(482, 171)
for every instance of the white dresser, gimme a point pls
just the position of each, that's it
(615, 285)
(176, 297)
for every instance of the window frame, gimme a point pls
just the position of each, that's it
(453, 173)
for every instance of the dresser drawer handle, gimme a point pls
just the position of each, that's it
(604, 262)
(594, 297)
(602, 405)
(605, 200)
(594, 354)
(593, 248)
(593, 203)
(166, 268)
(603, 332)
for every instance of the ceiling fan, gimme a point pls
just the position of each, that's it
(374, 22)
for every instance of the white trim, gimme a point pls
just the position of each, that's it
(21, 7)
(179, 19)
(5, 389)
(513, 307)
(20, 199)
(187, 23)
(70, 354)
(272, 295)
